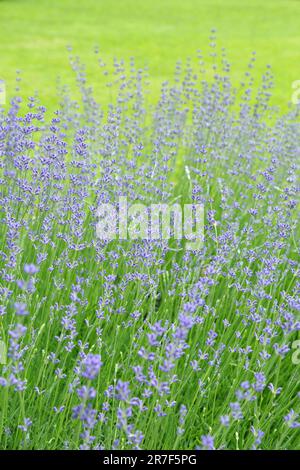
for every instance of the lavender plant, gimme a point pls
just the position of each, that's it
(142, 344)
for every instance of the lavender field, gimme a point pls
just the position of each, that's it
(143, 343)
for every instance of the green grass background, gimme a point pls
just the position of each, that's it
(34, 35)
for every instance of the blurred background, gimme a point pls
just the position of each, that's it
(34, 35)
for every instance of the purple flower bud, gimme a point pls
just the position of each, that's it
(30, 269)
(90, 366)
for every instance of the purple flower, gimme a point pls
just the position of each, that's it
(291, 419)
(31, 269)
(21, 309)
(225, 420)
(122, 390)
(90, 366)
(260, 382)
(207, 442)
(258, 434)
(26, 425)
(236, 411)
(86, 393)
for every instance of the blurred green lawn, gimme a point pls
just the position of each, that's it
(34, 35)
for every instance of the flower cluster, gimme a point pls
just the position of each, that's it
(130, 344)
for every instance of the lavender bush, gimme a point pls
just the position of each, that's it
(142, 344)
